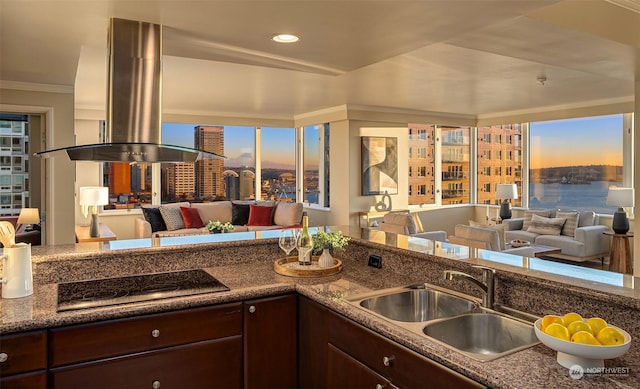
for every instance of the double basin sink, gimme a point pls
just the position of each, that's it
(452, 319)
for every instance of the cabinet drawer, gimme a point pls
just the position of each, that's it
(124, 336)
(23, 352)
(403, 367)
(33, 380)
(346, 372)
(210, 364)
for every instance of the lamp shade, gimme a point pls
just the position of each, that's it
(29, 216)
(94, 195)
(506, 191)
(620, 197)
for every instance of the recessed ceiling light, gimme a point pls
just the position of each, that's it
(285, 38)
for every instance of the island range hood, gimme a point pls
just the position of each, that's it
(134, 99)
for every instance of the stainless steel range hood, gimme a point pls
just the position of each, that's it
(134, 99)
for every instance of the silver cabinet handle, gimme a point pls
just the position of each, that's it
(155, 334)
(379, 386)
(155, 384)
(252, 309)
(3, 357)
(387, 361)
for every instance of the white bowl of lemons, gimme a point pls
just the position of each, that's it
(581, 341)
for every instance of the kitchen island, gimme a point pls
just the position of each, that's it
(244, 263)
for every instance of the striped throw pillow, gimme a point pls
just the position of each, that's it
(546, 225)
(569, 227)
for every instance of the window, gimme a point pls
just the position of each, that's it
(278, 162)
(422, 190)
(14, 162)
(420, 163)
(575, 177)
(498, 170)
(315, 182)
(272, 170)
(455, 164)
(422, 171)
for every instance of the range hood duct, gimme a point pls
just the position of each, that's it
(134, 99)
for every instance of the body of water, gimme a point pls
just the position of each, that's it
(582, 197)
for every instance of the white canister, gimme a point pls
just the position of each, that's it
(18, 277)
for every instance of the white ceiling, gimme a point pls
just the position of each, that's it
(468, 57)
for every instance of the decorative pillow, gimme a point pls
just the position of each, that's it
(172, 218)
(569, 227)
(527, 217)
(260, 215)
(154, 217)
(287, 214)
(240, 214)
(587, 218)
(497, 227)
(215, 211)
(545, 225)
(191, 217)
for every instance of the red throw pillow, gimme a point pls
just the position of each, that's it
(260, 215)
(191, 217)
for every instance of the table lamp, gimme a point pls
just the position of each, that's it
(506, 192)
(620, 197)
(91, 197)
(28, 217)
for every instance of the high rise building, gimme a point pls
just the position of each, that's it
(499, 161)
(180, 179)
(247, 184)
(232, 185)
(209, 174)
(421, 164)
(14, 164)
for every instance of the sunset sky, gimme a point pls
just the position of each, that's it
(574, 142)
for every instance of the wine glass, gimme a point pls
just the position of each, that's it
(287, 241)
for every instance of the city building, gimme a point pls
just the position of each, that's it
(14, 164)
(209, 173)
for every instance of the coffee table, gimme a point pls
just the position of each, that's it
(540, 250)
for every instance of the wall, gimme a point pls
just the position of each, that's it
(57, 105)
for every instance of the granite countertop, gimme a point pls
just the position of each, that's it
(255, 278)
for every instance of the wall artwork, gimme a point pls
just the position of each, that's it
(379, 165)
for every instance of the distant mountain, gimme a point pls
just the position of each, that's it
(576, 174)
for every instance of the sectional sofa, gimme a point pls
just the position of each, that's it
(578, 234)
(186, 218)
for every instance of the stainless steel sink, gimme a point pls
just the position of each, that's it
(482, 336)
(417, 305)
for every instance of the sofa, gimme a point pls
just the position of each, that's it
(577, 234)
(184, 218)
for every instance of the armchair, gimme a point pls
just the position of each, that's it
(484, 238)
(408, 224)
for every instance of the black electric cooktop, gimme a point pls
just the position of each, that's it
(122, 290)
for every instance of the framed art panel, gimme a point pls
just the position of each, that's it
(379, 165)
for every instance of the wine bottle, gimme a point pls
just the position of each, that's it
(305, 243)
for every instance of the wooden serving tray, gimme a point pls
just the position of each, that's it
(288, 266)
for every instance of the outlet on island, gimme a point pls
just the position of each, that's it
(375, 261)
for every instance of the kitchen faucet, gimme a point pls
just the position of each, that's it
(487, 284)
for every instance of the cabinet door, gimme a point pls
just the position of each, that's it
(403, 367)
(270, 342)
(32, 380)
(20, 353)
(312, 344)
(208, 364)
(346, 372)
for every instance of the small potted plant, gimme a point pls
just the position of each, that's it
(323, 242)
(217, 227)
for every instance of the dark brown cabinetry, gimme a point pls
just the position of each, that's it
(23, 360)
(200, 347)
(354, 356)
(346, 372)
(270, 342)
(401, 366)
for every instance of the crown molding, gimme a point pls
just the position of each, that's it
(35, 87)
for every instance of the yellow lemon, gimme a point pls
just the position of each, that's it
(570, 318)
(579, 326)
(596, 324)
(557, 330)
(584, 337)
(548, 319)
(609, 336)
